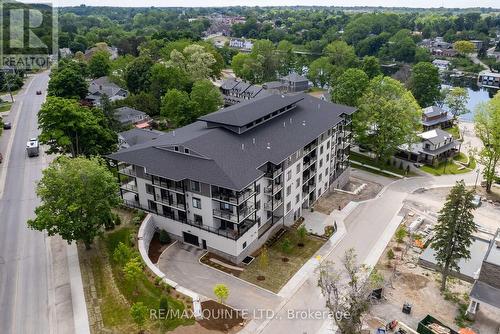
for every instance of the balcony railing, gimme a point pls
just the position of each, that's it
(227, 233)
(175, 205)
(231, 198)
(273, 205)
(309, 149)
(275, 174)
(128, 170)
(226, 215)
(129, 186)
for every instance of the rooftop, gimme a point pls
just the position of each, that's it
(435, 136)
(127, 114)
(295, 77)
(222, 157)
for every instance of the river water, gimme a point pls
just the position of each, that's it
(477, 95)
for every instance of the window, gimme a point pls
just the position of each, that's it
(152, 206)
(186, 150)
(320, 177)
(198, 219)
(289, 175)
(288, 206)
(288, 190)
(150, 189)
(320, 163)
(298, 168)
(328, 142)
(321, 150)
(225, 206)
(297, 183)
(257, 188)
(326, 171)
(196, 203)
(195, 186)
(327, 157)
(176, 148)
(297, 198)
(244, 245)
(257, 205)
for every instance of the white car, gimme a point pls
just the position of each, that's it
(476, 201)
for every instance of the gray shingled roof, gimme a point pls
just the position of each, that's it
(295, 77)
(138, 136)
(127, 115)
(248, 111)
(433, 111)
(486, 293)
(232, 160)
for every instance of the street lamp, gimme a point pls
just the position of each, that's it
(477, 176)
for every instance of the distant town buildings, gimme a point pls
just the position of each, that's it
(241, 43)
(439, 47)
(221, 24)
(113, 52)
(441, 64)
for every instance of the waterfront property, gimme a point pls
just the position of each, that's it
(434, 147)
(436, 117)
(228, 181)
(294, 82)
(488, 79)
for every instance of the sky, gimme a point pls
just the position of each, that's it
(219, 3)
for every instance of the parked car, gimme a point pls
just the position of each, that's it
(476, 201)
(7, 125)
(38, 92)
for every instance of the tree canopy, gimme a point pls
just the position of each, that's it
(77, 196)
(425, 84)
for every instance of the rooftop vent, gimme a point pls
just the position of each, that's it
(268, 146)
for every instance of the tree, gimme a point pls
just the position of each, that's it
(69, 128)
(341, 54)
(137, 74)
(302, 234)
(99, 64)
(425, 84)
(194, 60)
(132, 271)
(205, 98)
(286, 57)
(286, 246)
(349, 87)
(164, 78)
(388, 117)
(347, 290)
(453, 231)
(487, 126)
(67, 82)
(464, 47)
(264, 53)
(176, 106)
(139, 312)
(77, 196)
(163, 307)
(221, 291)
(456, 99)
(400, 234)
(122, 254)
(320, 71)
(371, 66)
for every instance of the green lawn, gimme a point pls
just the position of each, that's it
(277, 272)
(5, 106)
(450, 167)
(454, 131)
(354, 156)
(116, 294)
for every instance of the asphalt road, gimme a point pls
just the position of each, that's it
(25, 278)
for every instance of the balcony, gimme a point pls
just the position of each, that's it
(129, 186)
(273, 205)
(175, 205)
(127, 170)
(310, 162)
(273, 190)
(308, 176)
(168, 184)
(232, 197)
(275, 174)
(226, 215)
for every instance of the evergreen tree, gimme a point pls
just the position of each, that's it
(453, 232)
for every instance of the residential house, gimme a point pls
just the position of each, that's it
(441, 64)
(65, 53)
(233, 178)
(488, 79)
(436, 117)
(127, 116)
(294, 82)
(235, 91)
(435, 146)
(478, 44)
(486, 288)
(103, 86)
(241, 43)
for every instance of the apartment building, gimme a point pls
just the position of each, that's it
(228, 181)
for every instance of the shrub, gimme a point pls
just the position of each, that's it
(301, 233)
(164, 237)
(400, 234)
(390, 254)
(138, 312)
(122, 253)
(136, 220)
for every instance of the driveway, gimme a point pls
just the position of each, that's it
(180, 264)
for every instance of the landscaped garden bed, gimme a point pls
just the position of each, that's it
(158, 244)
(456, 166)
(275, 265)
(110, 295)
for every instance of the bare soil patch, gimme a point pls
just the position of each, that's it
(156, 248)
